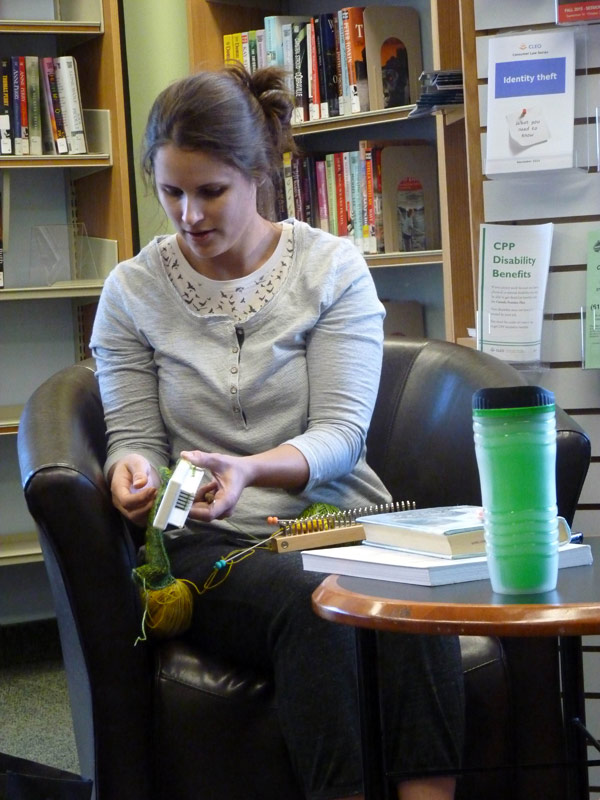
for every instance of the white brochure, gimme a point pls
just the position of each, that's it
(531, 101)
(513, 273)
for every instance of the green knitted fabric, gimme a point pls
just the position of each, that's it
(156, 572)
(319, 509)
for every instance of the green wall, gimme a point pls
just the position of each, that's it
(157, 53)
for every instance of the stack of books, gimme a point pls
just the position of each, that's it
(40, 107)
(428, 547)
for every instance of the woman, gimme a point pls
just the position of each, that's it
(253, 349)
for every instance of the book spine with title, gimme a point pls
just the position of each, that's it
(67, 82)
(34, 108)
(6, 127)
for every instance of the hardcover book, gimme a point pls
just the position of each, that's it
(445, 531)
(394, 58)
(381, 563)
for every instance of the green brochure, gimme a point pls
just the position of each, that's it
(592, 303)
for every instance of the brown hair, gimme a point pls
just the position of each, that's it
(242, 119)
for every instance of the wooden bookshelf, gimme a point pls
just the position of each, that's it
(42, 325)
(209, 21)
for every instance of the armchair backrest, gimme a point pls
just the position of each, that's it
(420, 441)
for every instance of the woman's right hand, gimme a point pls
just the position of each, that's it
(133, 484)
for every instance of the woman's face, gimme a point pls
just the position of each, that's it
(211, 205)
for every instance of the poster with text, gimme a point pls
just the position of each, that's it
(573, 13)
(513, 273)
(531, 101)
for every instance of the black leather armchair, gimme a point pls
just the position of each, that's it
(163, 720)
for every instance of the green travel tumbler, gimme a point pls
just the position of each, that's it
(515, 445)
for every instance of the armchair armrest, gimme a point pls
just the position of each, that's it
(89, 556)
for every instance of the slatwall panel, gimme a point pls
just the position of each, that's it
(570, 199)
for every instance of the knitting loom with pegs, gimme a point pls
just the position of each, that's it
(328, 530)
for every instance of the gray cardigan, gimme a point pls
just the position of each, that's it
(302, 370)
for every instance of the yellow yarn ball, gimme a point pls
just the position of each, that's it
(168, 610)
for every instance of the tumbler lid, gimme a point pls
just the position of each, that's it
(512, 397)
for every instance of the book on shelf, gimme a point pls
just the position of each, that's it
(410, 198)
(326, 57)
(314, 90)
(288, 56)
(261, 48)
(288, 183)
(393, 55)
(356, 199)
(378, 200)
(279, 198)
(321, 178)
(386, 564)
(54, 139)
(344, 85)
(67, 81)
(253, 51)
(34, 107)
(227, 47)
(574, 13)
(237, 52)
(301, 109)
(354, 41)
(245, 50)
(331, 193)
(16, 105)
(6, 127)
(340, 195)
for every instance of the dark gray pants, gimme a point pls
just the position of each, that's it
(261, 616)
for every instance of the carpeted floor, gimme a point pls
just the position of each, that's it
(35, 716)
